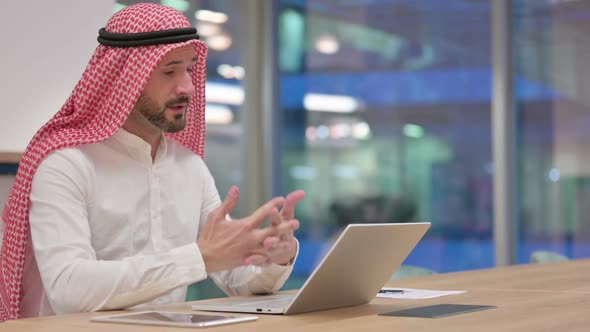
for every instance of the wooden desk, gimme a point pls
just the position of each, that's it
(548, 297)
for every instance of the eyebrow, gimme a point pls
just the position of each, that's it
(172, 63)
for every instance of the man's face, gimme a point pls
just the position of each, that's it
(163, 102)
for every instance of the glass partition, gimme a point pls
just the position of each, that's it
(386, 118)
(551, 46)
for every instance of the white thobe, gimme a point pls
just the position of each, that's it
(110, 228)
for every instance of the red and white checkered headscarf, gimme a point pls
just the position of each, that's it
(96, 109)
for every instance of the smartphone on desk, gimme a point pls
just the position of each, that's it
(179, 319)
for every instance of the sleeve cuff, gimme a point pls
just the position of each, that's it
(292, 261)
(189, 263)
(282, 272)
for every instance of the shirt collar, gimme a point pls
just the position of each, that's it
(137, 147)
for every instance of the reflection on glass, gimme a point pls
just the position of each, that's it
(386, 108)
(551, 45)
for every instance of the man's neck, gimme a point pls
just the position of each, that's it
(152, 137)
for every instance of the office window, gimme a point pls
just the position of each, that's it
(386, 118)
(552, 80)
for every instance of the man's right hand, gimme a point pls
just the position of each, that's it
(226, 244)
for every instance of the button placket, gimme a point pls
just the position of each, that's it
(156, 210)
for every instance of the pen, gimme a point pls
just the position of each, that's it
(387, 291)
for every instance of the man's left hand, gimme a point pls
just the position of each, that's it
(282, 249)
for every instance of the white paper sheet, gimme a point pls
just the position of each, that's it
(415, 294)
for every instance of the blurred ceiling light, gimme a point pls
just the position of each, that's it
(211, 16)
(327, 44)
(413, 131)
(361, 130)
(219, 42)
(310, 133)
(322, 132)
(224, 93)
(239, 72)
(218, 114)
(554, 175)
(302, 172)
(345, 171)
(228, 71)
(180, 5)
(340, 130)
(208, 29)
(330, 103)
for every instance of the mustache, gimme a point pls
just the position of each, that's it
(179, 100)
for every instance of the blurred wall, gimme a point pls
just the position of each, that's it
(45, 48)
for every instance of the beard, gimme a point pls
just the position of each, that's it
(156, 115)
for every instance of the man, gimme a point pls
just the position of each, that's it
(113, 206)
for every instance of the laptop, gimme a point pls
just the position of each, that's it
(360, 262)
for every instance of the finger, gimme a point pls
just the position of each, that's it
(294, 224)
(291, 225)
(285, 228)
(264, 211)
(270, 242)
(221, 212)
(279, 248)
(257, 260)
(291, 201)
(275, 217)
(283, 252)
(228, 204)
